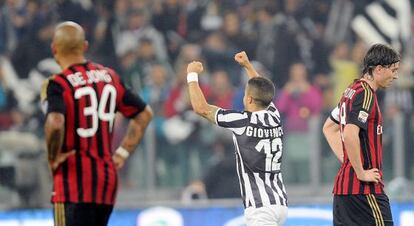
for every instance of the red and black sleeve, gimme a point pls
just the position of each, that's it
(360, 107)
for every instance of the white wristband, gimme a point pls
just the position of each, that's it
(124, 153)
(192, 77)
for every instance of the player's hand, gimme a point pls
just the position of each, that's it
(60, 158)
(371, 175)
(242, 58)
(195, 66)
(118, 160)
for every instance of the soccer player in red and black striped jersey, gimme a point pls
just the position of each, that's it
(80, 104)
(354, 132)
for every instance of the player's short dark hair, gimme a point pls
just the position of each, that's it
(262, 90)
(379, 54)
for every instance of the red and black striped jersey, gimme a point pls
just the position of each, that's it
(359, 106)
(89, 95)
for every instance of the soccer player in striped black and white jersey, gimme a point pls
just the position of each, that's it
(257, 136)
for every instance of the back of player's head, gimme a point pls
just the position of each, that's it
(69, 38)
(379, 54)
(262, 91)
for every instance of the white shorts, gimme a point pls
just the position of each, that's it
(274, 215)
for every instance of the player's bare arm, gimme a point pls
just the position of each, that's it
(135, 132)
(244, 61)
(54, 132)
(332, 133)
(197, 98)
(352, 146)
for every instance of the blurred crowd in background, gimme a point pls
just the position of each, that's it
(311, 50)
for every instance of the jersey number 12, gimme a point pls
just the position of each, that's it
(273, 151)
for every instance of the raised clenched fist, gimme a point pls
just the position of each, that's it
(195, 66)
(242, 58)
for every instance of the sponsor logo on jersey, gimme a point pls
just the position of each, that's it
(362, 116)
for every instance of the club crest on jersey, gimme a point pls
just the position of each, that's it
(362, 116)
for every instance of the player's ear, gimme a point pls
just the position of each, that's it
(249, 99)
(379, 69)
(53, 48)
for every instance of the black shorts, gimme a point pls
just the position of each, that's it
(81, 214)
(362, 210)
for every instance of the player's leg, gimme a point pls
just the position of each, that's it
(102, 214)
(92, 214)
(82, 214)
(380, 209)
(59, 214)
(381, 204)
(72, 214)
(266, 216)
(337, 205)
(282, 213)
(354, 210)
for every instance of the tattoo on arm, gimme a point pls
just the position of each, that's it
(136, 129)
(54, 144)
(131, 132)
(54, 133)
(210, 115)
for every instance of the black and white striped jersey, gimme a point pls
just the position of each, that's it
(257, 139)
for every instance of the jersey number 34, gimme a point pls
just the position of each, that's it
(97, 109)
